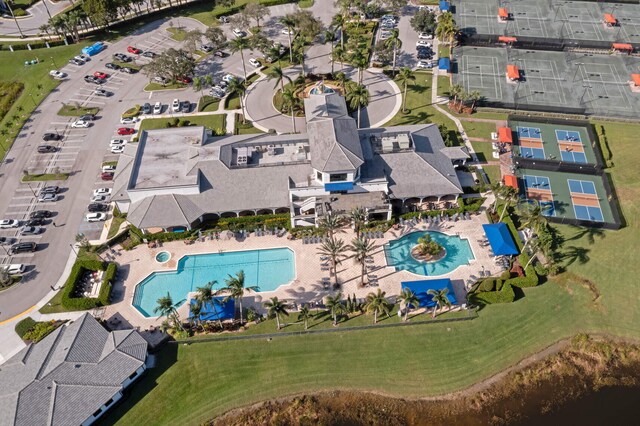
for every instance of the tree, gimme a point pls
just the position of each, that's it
(166, 308)
(534, 246)
(299, 45)
(338, 21)
(427, 246)
(424, 21)
(5, 278)
(409, 300)
(509, 195)
(240, 44)
(240, 20)
(358, 98)
(257, 12)
(360, 61)
(377, 303)
(275, 308)
(446, 30)
(204, 296)
(334, 249)
(235, 289)
(195, 309)
(197, 84)
(383, 53)
(455, 91)
(405, 76)
(342, 78)
(172, 63)
(362, 248)
(357, 217)
(474, 97)
(394, 43)
(276, 73)
(334, 306)
(216, 37)
(341, 56)
(292, 103)
(192, 40)
(395, 5)
(440, 298)
(290, 23)
(237, 88)
(446, 135)
(331, 222)
(307, 24)
(305, 315)
(329, 37)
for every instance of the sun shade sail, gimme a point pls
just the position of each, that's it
(511, 180)
(507, 39)
(513, 72)
(503, 13)
(622, 46)
(610, 19)
(636, 79)
(500, 239)
(505, 135)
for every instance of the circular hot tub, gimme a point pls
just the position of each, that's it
(163, 257)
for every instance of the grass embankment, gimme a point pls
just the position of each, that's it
(484, 151)
(493, 173)
(478, 129)
(68, 110)
(45, 177)
(178, 34)
(241, 128)
(208, 104)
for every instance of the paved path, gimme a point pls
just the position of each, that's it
(30, 25)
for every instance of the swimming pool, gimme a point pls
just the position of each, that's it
(398, 254)
(267, 268)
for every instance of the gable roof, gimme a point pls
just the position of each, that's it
(334, 144)
(68, 375)
(164, 211)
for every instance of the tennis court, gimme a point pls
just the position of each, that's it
(539, 188)
(584, 197)
(571, 147)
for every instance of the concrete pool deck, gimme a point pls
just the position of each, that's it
(136, 264)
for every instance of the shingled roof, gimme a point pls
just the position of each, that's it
(70, 374)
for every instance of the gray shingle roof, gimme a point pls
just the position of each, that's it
(164, 211)
(66, 377)
(324, 105)
(335, 145)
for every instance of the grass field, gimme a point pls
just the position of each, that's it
(178, 34)
(478, 129)
(214, 122)
(493, 173)
(68, 110)
(156, 87)
(483, 151)
(444, 86)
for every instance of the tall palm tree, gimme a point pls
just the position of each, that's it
(394, 43)
(195, 309)
(342, 78)
(509, 196)
(455, 91)
(235, 289)
(275, 308)
(299, 53)
(166, 308)
(404, 77)
(205, 296)
(237, 87)
(329, 37)
(377, 303)
(340, 55)
(305, 315)
(474, 97)
(362, 248)
(441, 299)
(334, 306)
(335, 250)
(240, 44)
(332, 223)
(339, 21)
(276, 73)
(531, 215)
(409, 300)
(290, 23)
(357, 217)
(292, 103)
(358, 97)
(360, 61)
(534, 246)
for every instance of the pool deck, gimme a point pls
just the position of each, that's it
(136, 264)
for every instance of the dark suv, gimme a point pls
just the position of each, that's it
(42, 149)
(97, 207)
(51, 137)
(40, 214)
(23, 247)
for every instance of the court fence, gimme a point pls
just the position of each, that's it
(538, 43)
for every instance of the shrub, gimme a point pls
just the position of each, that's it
(84, 303)
(105, 289)
(40, 330)
(25, 326)
(529, 280)
(505, 275)
(132, 112)
(488, 284)
(205, 101)
(281, 220)
(505, 295)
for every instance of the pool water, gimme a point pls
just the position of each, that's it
(398, 254)
(268, 269)
(163, 257)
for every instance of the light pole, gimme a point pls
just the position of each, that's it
(46, 7)
(74, 249)
(578, 64)
(32, 191)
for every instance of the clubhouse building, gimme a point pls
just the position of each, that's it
(176, 178)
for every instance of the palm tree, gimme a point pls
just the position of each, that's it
(342, 78)
(358, 97)
(335, 306)
(204, 296)
(197, 84)
(340, 55)
(377, 303)
(299, 54)
(239, 44)
(409, 300)
(329, 37)
(237, 87)
(531, 215)
(338, 21)
(395, 43)
(440, 298)
(360, 61)
(405, 76)
(357, 217)
(195, 309)
(474, 97)
(276, 73)
(362, 248)
(305, 315)
(291, 102)
(290, 23)
(455, 91)
(335, 250)
(236, 289)
(509, 196)
(276, 308)
(332, 223)
(534, 246)
(166, 308)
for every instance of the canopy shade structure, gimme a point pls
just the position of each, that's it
(513, 72)
(503, 13)
(609, 19)
(622, 46)
(444, 64)
(500, 239)
(420, 288)
(511, 180)
(505, 135)
(636, 79)
(340, 186)
(221, 311)
(444, 6)
(507, 39)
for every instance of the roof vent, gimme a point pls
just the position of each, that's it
(77, 366)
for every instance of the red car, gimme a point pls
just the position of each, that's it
(100, 74)
(185, 80)
(134, 50)
(126, 131)
(106, 176)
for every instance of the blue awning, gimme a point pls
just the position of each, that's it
(222, 311)
(444, 64)
(500, 239)
(444, 6)
(421, 287)
(339, 186)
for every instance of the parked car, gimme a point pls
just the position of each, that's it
(53, 189)
(96, 217)
(102, 92)
(238, 32)
(146, 108)
(184, 80)
(175, 105)
(128, 120)
(128, 70)
(118, 149)
(217, 93)
(80, 124)
(116, 142)
(223, 19)
(220, 54)
(148, 54)
(48, 198)
(31, 230)
(425, 36)
(106, 176)
(43, 149)
(112, 66)
(160, 80)
(228, 78)
(9, 223)
(108, 168)
(51, 137)
(84, 57)
(185, 107)
(15, 268)
(87, 117)
(287, 31)
(102, 191)
(99, 198)
(157, 108)
(256, 63)
(122, 57)
(97, 207)
(206, 48)
(424, 65)
(75, 61)
(5, 241)
(34, 222)
(125, 131)
(23, 247)
(57, 74)
(134, 50)
(40, 214)
(92, 79)
(424, 43)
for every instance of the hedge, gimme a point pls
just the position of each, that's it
(132, 112)
(282, 220)
(470, 205)
(506, 295)
(24, 326)
(85, 303)
(41, 330)
(105, 289)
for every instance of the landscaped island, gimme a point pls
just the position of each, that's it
(428, 250)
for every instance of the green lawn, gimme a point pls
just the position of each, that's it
(208, 104)
(303, 4)
(156, 87)
(232, 102)
(69, 110)
(115, 226)
(45, 177)
(214, 122)
(483, 150)
(493, 173)
(178, 34)
(444, 86)
(443, 50)
(477, 129)
(244, 129)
